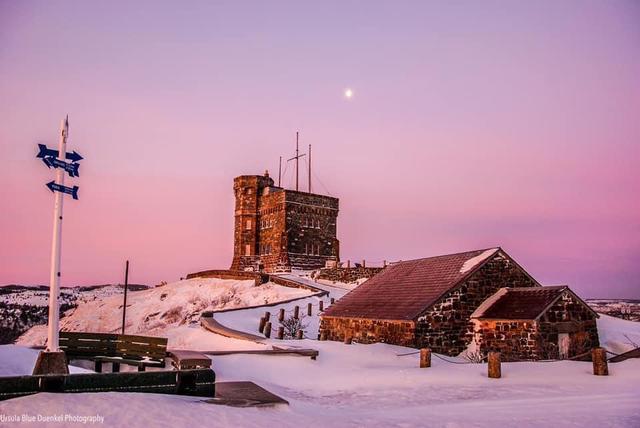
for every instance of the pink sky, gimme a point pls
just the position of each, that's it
(472, 125)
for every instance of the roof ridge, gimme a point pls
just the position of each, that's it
(538, 289)
(449, 255)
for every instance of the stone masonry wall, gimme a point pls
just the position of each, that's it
(311, 229)
(278, 229)
(369, 331)
(348, 274)
(445, 326)
(516, 340)
(568, 315)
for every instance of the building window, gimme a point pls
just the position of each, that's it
(247, 250)
(248, 225)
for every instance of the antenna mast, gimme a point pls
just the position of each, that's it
(309, 168)
(297, 158)
(280, 171)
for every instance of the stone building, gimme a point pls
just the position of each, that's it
(424, 303)
(535, 323)
(277, 229)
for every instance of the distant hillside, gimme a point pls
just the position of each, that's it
(24, 306)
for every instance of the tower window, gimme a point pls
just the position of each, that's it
(248, 225)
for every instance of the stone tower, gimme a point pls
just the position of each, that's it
(278, 229)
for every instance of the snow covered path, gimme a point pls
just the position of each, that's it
(370, 386)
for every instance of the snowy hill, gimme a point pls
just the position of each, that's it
(171, 311)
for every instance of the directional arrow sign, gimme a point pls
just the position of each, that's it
(55, 187)
(71, 168)
(45, 151)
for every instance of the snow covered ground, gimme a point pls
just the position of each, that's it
(171, 311)
(347, 386)
(372, 386)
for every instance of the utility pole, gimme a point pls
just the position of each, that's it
(126, 285)
(309, 168)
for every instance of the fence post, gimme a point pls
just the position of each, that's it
(321, 305)
(299, 334)
(296, 312)
(348, 340)
(425, 358)
(281, 315)
(348, 264)
(494, 365)
(599, 358)
(364, 263)
(323, 335)
(280, 333)
(263, 321)
(309, 306)
(267, 330)
(267, 316)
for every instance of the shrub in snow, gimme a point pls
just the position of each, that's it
(293, 325)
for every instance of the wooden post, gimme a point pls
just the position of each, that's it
(280, 333)
(321, 305)
(323, 335)
(267, 330)
(281, 315)
(425, 358)
(364, 263)
(384, 263)
(333, 300)
(494, 365)
(309, 306)
(348, 340)
(599, 358)
(263, 321)
(299, 334)
(267, 315)
(348, 264)
(296, 312)
(126, 286)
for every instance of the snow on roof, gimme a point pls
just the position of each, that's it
(404, 289)
(473, 262)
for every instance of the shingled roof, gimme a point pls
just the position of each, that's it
(520, 303)
(405, 289)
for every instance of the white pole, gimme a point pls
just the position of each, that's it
(54, 280)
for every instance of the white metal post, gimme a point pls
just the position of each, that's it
(54, 280)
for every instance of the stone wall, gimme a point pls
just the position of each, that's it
(277, 229)
(369, 331)
(445, 327)
(516, 340)
(311, 229)
(347, 274)
(568, 315)
(231, 274)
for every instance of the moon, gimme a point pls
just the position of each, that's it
(348, 93)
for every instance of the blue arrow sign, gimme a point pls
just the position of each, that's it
(45, 151)
(71, 168)
(55, 187)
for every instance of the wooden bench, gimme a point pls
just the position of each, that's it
(140, 351)
(188, 360)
